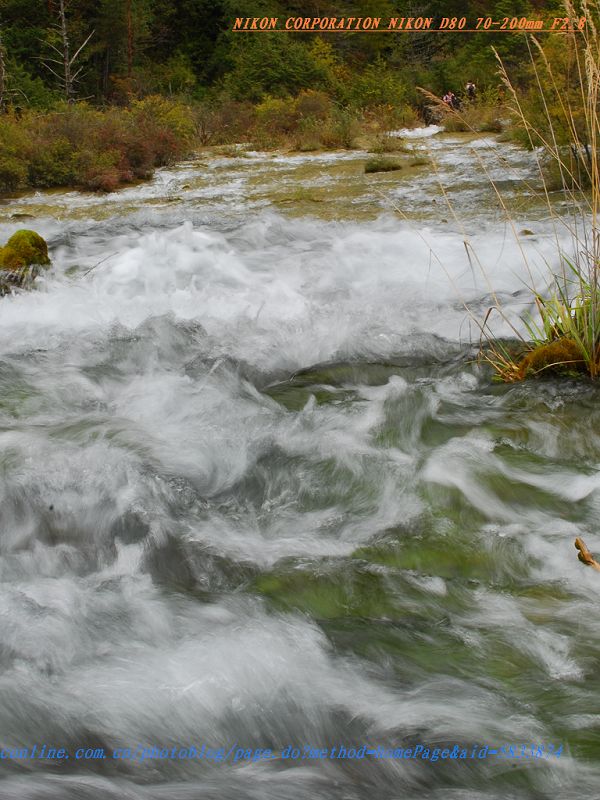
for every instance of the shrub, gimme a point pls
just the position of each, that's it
(384, 143)
(98, 150)
(377, 85)
(51, 164)
(13, 168)
(277, 115)
(167, 127)
(161, 111)
(388, 117)
(98, 171)
(313, 104)
(13, 173)
(237, 119)
(475, 117)
(308, 135)
(341, 130)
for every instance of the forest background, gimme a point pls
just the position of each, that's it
(96, 93)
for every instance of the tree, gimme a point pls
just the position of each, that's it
(2, 76)
(67, 61)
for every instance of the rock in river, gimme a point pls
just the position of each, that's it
(20, 259)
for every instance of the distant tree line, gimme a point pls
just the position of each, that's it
(114, 51)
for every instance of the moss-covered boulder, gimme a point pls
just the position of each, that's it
(24, 249)
(20, 259)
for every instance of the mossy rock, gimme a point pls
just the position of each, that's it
(560, 357)
(382, 165)
(20, 259)
(26, 247)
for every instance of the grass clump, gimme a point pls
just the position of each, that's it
(476, 117)
(563, 119)
(382, 165)
(384, 143)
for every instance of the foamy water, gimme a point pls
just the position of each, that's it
(256, 490)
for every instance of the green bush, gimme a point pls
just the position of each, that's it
(98, 171)
(273, 64)
(98, 150)
(13, 173)
(277, 115)
(341, 130)
(377, 85)
(311, 103)
(51, 164)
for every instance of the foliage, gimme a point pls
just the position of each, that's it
(270, 64)
(376, 85)
(79, 145)
(142, 47)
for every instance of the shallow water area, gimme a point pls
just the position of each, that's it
(256, 492)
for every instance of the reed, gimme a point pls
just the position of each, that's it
(559, 119)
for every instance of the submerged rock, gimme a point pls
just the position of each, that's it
(21, 258)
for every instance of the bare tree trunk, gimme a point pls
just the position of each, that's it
(129, 43)
(66, 60)
(2, 77)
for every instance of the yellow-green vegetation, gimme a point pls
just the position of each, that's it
(382, 165)
(384, 143)
(21, 255)
(77, 145)
(23, 249)
(563, 116)
(484, 116)
(560, 357)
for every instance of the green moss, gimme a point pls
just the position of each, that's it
(10, 259)
(562, 356)
(23, 253)
(29, 247)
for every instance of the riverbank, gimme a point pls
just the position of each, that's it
(90, 149)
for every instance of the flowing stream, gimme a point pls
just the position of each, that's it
(256, 492)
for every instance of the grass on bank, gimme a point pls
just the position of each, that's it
(560, 121)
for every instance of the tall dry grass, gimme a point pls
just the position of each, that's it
(560, 120)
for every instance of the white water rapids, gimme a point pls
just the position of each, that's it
(197, 547)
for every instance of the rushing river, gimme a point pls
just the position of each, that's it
(257, 493)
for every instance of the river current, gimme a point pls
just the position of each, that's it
(256, 491)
